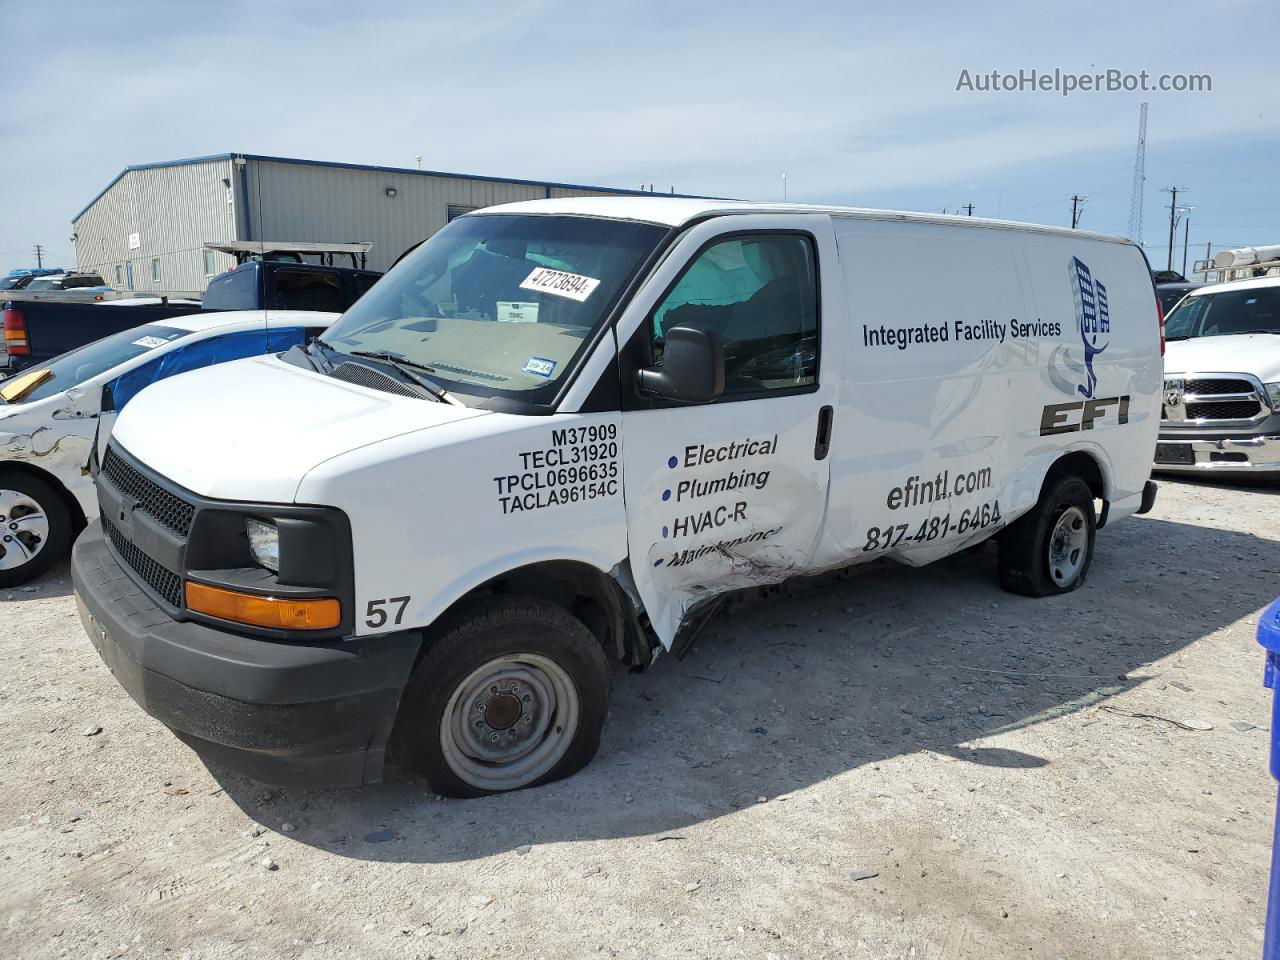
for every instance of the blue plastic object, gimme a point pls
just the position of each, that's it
(204, 353)
(1269, 637)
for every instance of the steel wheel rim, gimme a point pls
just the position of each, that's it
(488, 749)
(24, 529)
(1068, 546)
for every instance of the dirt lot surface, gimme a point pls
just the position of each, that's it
(904, 763)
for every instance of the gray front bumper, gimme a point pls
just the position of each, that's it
(1225, 454)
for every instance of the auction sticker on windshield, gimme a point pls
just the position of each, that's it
(572, 285)
(150, 342)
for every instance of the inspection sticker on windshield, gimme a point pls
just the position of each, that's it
(150, 342)
(572, 285)
(516, 311)
(540, 366)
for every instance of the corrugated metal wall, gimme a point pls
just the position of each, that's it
(174, 210)
(337, 204)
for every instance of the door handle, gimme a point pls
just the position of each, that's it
(822, 446)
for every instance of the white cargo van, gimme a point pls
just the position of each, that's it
(1221, 409)
(561, 431)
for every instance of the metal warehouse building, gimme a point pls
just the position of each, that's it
(147, 229)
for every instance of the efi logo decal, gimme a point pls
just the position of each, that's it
(1093, 320)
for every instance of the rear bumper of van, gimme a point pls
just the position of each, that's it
(1178, 453)
(289, 714)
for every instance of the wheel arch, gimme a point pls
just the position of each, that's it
(1090, 465)
(78, 519)
(588, 593)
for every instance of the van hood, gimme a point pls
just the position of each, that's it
(1255, 353)
(251, 429)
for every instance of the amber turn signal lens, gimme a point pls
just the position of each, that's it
(275, 613)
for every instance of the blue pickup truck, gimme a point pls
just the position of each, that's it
(37, 330)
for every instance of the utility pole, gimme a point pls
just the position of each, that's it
(1077, 203)
(969, 209)
(39, 257)
(1173, 216)
(1186, 232)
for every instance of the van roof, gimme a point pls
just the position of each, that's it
(1253, 283)
(676, 212)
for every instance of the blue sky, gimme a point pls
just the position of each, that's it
(855, 106)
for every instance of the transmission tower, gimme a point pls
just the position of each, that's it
(1139, 180)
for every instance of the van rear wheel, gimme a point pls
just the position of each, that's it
(1048, 550)
(512, 694)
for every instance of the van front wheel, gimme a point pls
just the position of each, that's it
(513, 694)
(1048, 550)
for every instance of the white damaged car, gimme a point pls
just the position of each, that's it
(49, 417)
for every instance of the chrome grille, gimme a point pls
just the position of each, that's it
(1230, 410)
(174, 512)
(1211, 387)
(160, 579)
(1207, 400)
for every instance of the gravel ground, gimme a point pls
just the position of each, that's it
(902, 763)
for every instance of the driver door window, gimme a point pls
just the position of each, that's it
(758, 293)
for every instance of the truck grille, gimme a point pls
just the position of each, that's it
(164, 582)
(1207, 400)
(1209, 387)
(172, 511)
(1232, 410)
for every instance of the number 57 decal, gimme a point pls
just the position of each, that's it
(375, 614)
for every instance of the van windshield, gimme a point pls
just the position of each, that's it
(499, 305)
(1254, 310)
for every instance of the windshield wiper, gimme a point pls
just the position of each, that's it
(319, 362)
(1263, 331)
(408, 368)
(1171, 339)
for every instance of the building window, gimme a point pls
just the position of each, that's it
(210, 265)
(119, 275)
(155, 269)
(456, 210)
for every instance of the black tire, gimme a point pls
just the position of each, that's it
(494, 628)
(55, 544)
(1025, 566)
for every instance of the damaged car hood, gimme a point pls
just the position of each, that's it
(251, 429)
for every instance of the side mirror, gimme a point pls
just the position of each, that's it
(692, 367)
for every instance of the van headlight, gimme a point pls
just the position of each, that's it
(1273, 394)
(264, 543)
